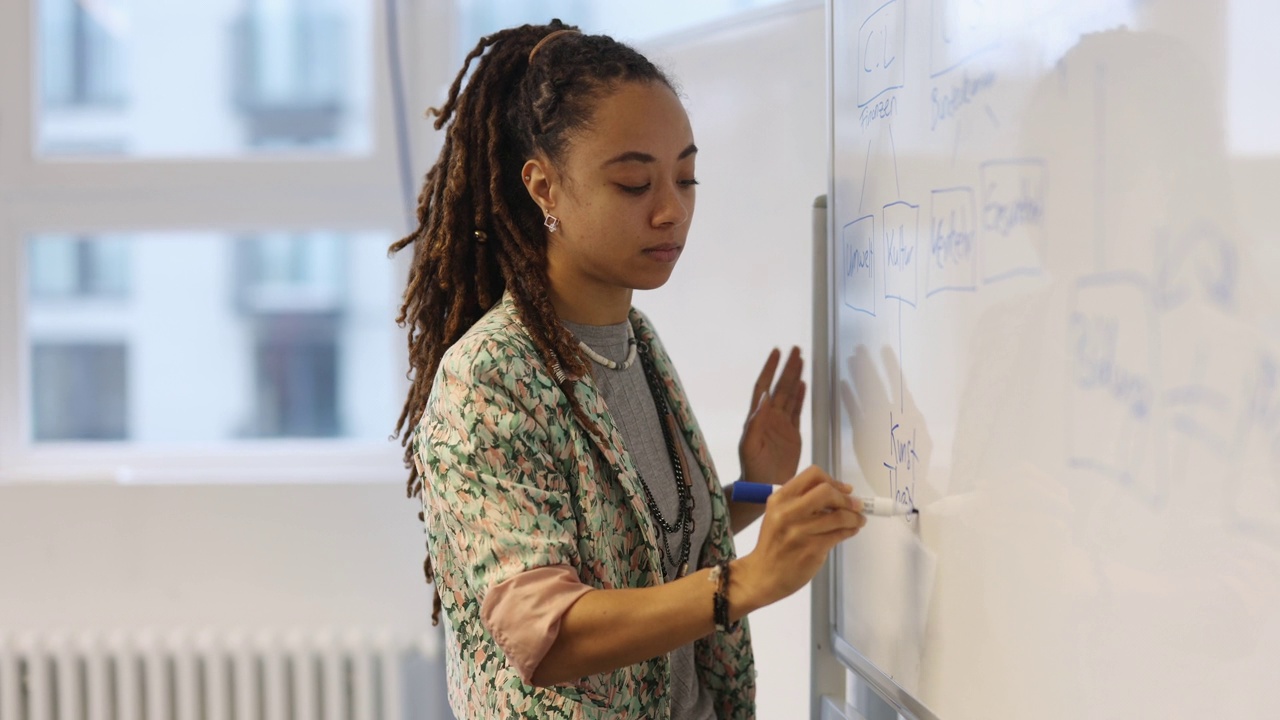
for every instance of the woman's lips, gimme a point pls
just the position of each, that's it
(664, 253)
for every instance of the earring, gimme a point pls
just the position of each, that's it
(527, 178)
(552, 222)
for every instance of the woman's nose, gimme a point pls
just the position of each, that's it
(674, 205)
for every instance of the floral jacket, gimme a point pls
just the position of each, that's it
(513, 482)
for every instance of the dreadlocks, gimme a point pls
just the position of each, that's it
(479, 233)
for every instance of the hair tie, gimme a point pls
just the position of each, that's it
(548, 38)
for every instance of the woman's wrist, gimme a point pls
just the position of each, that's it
(746, 593)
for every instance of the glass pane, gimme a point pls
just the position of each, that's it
(150, 78)
(208, 337)
(78, 267)
(629, 22)
(78, 390)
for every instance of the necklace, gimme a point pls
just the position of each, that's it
(613, 365)
(684, 523)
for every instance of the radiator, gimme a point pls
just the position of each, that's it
(145, 675)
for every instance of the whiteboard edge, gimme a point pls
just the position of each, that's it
(885, 687)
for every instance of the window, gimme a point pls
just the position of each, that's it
(71, 267)
(194, 283)
(290, 58)
(213, 337)
(136, 78)
(295, 377)
(79, 391)
(82, 53)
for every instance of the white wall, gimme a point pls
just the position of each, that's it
(223, 557)
(756, 94)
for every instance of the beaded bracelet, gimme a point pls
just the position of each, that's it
(720, 603)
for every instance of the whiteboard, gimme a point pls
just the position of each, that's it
(1055, 332)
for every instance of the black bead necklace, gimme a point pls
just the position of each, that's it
(684, 523)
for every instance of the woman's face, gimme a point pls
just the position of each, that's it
(624, 194)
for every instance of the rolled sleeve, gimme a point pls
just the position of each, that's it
(523, 613)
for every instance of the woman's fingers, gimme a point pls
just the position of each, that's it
(806, 505)
(809, 478)
(764, 381)
(787, 394)
(798, 405)
(785, 391)
(837, 520)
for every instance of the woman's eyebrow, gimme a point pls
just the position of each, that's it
(637, 156)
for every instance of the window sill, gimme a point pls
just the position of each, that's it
(259, 462)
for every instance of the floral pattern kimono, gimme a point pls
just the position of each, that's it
(512, 482)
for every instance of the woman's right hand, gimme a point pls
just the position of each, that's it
(803, 519)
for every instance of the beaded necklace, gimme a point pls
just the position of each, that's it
(611, 364)
(684, 523)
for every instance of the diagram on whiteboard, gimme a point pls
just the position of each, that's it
(1054, 335)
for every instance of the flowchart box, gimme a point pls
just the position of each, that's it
(1111, 380)
(882, 43)
(858, 264)
(952, 263)
(901, 257)
(1013, 233)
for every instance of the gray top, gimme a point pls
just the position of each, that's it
(626, 394)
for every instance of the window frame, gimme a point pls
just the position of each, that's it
(94, 195)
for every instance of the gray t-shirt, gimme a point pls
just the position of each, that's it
(626, 394)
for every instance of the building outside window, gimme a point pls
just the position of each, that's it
(79, 391)
(84, 266)
(290, 59)
(82, 62)
(222, 78)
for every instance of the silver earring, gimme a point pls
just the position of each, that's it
(552, 222)
(527, 178)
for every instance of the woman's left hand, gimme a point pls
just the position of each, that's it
(770, 447)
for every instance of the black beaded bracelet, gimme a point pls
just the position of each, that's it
(720, 603)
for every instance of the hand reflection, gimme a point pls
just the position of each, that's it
(888, 433)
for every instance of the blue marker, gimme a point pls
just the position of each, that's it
(744, 491)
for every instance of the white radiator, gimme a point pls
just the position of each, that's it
(210, 676)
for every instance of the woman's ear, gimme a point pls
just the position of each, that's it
(538, 176)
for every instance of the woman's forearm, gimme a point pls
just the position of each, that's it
(608, 629)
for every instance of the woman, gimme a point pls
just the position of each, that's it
(579, 539)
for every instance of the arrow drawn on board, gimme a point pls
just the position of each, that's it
(992, 114)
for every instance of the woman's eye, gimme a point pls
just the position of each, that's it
(634, 189)
(689, 183)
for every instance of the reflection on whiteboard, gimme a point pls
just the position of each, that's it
(1056, 336)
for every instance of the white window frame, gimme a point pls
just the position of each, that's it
(95, 195)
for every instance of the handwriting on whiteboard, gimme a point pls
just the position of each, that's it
(903, 462)
(881, 52)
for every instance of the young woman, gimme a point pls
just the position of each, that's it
(578, 536)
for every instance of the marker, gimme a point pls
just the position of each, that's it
(744, 491)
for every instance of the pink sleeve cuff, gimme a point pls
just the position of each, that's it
(523, 613)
